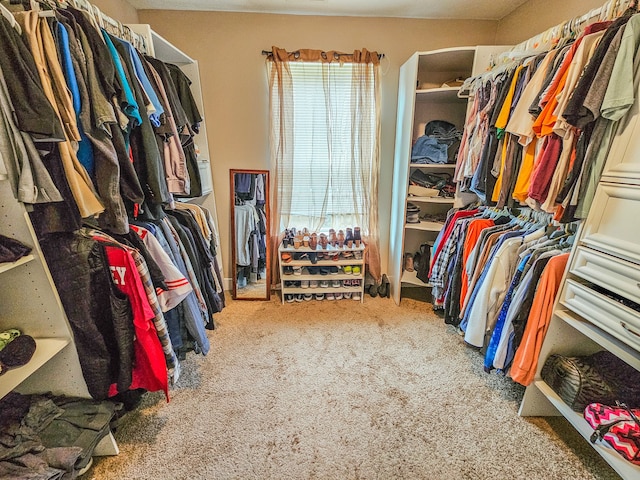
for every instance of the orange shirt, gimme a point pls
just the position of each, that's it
(525, 361)
(474, 229)
(521, 190)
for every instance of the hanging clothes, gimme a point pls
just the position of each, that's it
(545, 124)
(97, 133)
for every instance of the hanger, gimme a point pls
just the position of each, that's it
(6, 13)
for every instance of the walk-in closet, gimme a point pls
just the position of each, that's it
(268, 240)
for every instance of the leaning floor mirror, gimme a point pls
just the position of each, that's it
(250, 234)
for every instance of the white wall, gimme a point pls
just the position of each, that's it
(227, 47)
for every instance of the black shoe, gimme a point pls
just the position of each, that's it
(383, 289)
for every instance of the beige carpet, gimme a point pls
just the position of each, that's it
(340, 390)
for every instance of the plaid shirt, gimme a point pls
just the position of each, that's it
(439, 277)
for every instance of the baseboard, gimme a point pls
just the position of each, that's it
(227, 284)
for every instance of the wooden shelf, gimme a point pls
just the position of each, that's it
(329, 249)
(412, 278)
(46, 349)
(439, 200)
(322, 263)
(5, 267)
(295, 290)
(602, 338)
(319, 277)
(440, 95)
(425, 226)
(447, 59)
(624, 468)
(432, 166)
(329, 277)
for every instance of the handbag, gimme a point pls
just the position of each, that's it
(617, 426)
(601, 377)
(422, 271)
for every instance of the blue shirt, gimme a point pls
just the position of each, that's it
(130, 107)
(141, 75)
(85, 150)
(502, 317)
(429, 150)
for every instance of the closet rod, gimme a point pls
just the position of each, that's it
(269, 52)
(608, 10)
(98, 17)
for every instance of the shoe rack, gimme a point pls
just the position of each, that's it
(322, 265)
(29, 302)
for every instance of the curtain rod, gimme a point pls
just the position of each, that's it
(269, 52)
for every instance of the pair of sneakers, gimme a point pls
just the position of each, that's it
(351, 269)
(16, 349)
(298, 297)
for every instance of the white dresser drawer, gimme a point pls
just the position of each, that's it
(618, 276)
(623, 161)
(616, 319)
(613, 224)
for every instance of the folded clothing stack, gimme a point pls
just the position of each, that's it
(413, 213)
(439, 144)
(435, 184)
(45, 436)
(601, 377)
(12, 250)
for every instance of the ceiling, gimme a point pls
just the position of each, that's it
(459, 9)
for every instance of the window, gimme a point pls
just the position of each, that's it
(334, 126)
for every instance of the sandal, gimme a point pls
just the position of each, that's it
(384, 289)
(7, 336)
(357, 237)
(323, 241)
(349, 238)
(286, 257)
(332, 237)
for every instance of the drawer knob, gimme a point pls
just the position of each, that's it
(638, 284)
(628, 329)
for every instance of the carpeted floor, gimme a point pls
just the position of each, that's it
(340, 390)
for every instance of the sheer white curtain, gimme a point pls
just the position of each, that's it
(325, 127)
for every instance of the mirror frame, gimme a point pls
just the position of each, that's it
(232, 173)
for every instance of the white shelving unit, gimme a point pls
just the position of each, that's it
(46, 349)
(421, 99)
(28, 298)
(424, 226)
(6, 266)
(305, 264)
(29, 302)
(605, 261)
